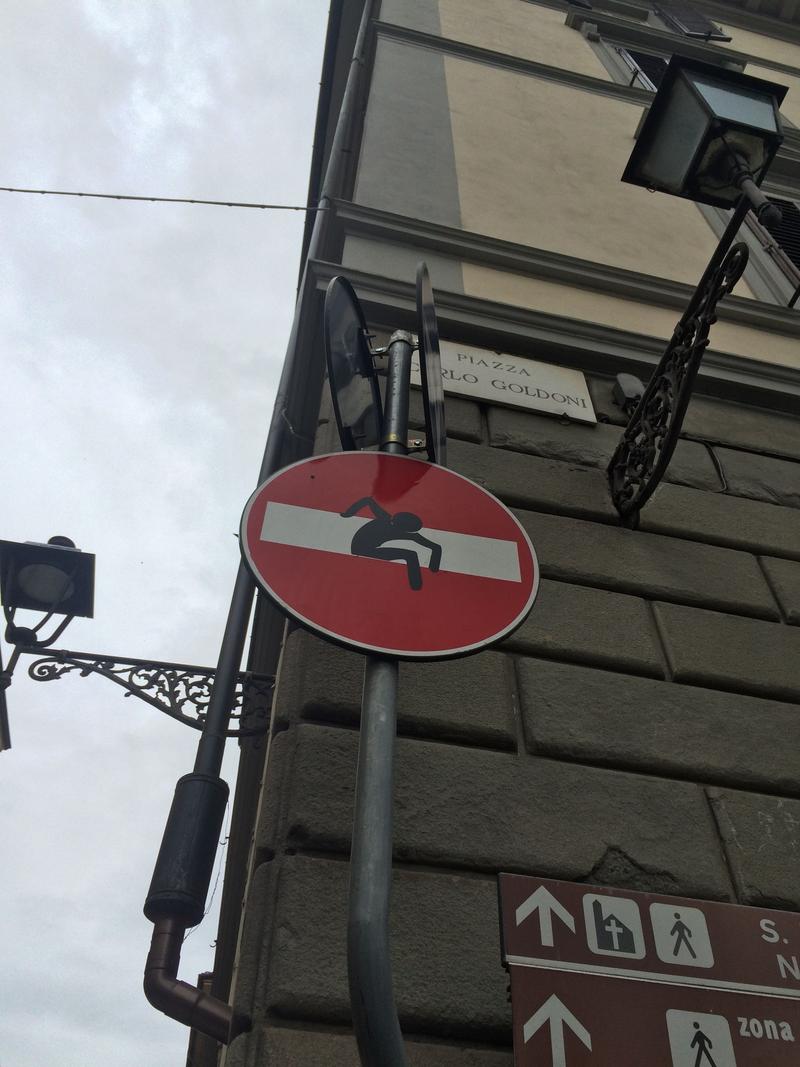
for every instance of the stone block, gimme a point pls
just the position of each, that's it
(592, 626)
(445, 948)
(662, 568)
(463, 417)
(468, 700)
(601, 718)
(761, 477)
(761, 835)
(784, 577)
(741, 426)
(470, 808)
(282, 1047)
(591, 446)
(723, 520)
(531, 482)
(727, 652)
(714, 420)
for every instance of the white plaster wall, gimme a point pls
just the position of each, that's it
(539, 163)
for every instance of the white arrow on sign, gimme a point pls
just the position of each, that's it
(546, 904)
(557, 1015)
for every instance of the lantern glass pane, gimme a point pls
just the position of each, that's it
(740, 105)
(47, 585)
(666, 162)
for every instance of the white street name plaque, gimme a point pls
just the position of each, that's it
(484, 375)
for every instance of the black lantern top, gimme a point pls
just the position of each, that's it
(705, 128)
(55, 577)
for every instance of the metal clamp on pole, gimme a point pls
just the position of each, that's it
(375, 1022)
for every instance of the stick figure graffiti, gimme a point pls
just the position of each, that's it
(703, 1043)
(370, 539)
(682, 934)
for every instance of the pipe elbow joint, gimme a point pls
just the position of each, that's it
(179, 1000)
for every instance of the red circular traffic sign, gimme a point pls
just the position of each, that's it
(389, 554)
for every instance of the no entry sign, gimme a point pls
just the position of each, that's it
(601, 976)
(389, 554)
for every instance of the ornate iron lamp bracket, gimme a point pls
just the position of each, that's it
(649, 439)
(180, 690)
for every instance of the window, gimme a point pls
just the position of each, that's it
(646, 70)
(683, 16)
(782, 242)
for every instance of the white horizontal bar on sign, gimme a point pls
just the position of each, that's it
(326, 531)
(654, 976)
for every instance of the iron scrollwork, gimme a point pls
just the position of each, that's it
(649, 439)
(179, 690)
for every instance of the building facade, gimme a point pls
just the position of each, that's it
(642, 728)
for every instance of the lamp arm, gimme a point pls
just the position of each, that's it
(179, 690)
(648, 441)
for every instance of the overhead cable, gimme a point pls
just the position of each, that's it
(162, 199)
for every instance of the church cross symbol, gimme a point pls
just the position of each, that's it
(613, 926)
(371, 539)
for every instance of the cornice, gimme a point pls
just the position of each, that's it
(589, 23)
(568, 342)
(521, 66)
(359, 220)
(720, 11)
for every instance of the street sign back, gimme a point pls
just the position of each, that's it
(703, 984)
(390, 554)
(351, 374)
(430, 367)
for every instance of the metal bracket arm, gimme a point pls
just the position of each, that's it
(180, 690)
(648, 442)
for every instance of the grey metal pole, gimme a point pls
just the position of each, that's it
(377, 1030)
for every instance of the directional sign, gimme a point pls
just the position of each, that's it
(703, 984)
(390, 554)
(580, 1020)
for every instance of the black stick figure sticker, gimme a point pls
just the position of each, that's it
(370, 540)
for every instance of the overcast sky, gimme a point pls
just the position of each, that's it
(141, 344)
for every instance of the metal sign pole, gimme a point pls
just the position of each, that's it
(375, 1022)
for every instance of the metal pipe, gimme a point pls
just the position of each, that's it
(178, 999)
(170, 994)
(375, 1022)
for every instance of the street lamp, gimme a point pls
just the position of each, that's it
(57, 579)
(710, 136)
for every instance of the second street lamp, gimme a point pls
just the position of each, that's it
(57, 579)
(709, 136)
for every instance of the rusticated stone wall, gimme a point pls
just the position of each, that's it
(641, 729)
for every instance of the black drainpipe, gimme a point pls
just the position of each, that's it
(179, 887)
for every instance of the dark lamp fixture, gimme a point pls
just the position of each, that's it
(710, 135)
(56, 578)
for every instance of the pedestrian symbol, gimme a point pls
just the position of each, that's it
(374, 539)
(699, 1040)
(681, 935)
(613, 926)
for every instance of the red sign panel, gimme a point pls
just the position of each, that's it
(604, 976)
(389, 554)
